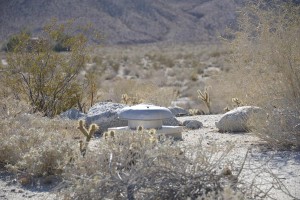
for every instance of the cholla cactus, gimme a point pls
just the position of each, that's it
(237, 102)
(110, 134)
(139, 128)
(153, 138)
(87, 133)
(125, 99)
(204, 96)
(131, 100)
(226, 109)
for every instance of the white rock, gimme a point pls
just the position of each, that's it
(72, 114)
(237, 119)
(105, 115)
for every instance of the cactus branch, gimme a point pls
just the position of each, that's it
(87, 133)
(204, 96)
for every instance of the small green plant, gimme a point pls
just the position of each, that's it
(15, 41)
(204, 96)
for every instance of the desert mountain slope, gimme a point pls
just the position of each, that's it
(125, 21)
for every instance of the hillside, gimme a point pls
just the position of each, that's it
(125, 21)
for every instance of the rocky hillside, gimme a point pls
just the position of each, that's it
(125, 21)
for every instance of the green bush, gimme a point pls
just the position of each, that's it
(44, 78)
(15, 41)
(62, 43)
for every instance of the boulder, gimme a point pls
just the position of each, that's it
(237, 120)
(105, 115)
(72, 114)
(178, 111)
(171, 122)
(192, 124)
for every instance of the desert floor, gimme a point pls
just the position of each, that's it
(278, 170)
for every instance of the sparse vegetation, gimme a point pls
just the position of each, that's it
(266, 66)
(42, 77)
(14, 41)
(204, 96)
(132, 166)
(133, 92)
(88, 133)
(38, 82)
(32, 144)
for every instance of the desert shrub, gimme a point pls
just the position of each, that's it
(44, 78)
(15, 41)
(34, 144)
(165, 60)
(140, 92)
(143, 165)
(61, 42)
(266, 68)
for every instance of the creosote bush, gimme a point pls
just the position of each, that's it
(44, 78)
(266, 68)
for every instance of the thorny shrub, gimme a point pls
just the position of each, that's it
(34, 144)
(266, 68)
(144, 165)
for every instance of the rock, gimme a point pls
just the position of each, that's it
(72, 114)
(192, 124)
(172, 122)
(105, 115)
(237, 119)
(178, 111)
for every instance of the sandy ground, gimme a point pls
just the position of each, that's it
(277, 171)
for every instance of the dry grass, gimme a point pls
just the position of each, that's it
(34, 144)
(266, 68)
(141, 165)
(183, 68)
(139, 92)
(120, 165)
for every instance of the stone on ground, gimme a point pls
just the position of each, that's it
(192, 124)
(237, 120)
(72, 114)
(105, 115)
